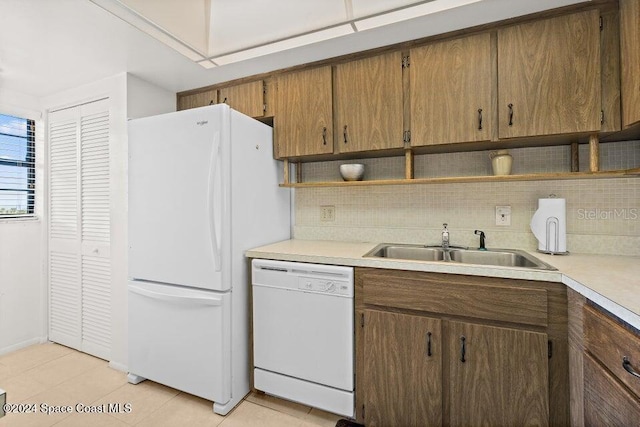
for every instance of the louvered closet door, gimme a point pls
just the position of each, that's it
(95, 226)
(64, 211)
(79, 261)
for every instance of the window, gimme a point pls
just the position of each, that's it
(17, 166)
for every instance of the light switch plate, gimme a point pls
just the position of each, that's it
(503, 215)
(327, 213)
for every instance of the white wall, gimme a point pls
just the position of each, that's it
(22, 280)
(146, 99)
(129, 97)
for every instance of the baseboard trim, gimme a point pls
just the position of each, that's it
(118, 366)
(23, 344)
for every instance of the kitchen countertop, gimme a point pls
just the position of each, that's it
(611, 281)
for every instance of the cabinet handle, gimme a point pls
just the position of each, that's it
(324, 136)
(510, 114)
(429, 344)
(344, 133)
(626, 364)
(479, 118)
(463, 349)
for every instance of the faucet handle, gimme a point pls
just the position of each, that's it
(482, 238)
(445, 225)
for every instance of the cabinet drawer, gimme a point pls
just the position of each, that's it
(606, 401)
(609, 342)
(425, 292)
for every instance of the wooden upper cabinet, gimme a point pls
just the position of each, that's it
(610, 70)
(498, 376)
(549, 76)
(630, 57)
(199, 99)
(403, 370)
(248, 98)
(303, 124)
(450, 90)
(369, 105)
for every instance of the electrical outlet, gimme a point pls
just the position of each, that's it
(327, 213)
(503, 215)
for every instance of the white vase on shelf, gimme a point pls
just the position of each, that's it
(501, 162)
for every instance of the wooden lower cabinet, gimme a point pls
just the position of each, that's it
(606, 401)
(497, 376)
(611, 393)
(430, 364)
(402, 370)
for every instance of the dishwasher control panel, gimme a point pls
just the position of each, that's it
(325, 286)
(303, 277)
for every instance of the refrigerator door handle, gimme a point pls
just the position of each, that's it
(209, 301)
(211, 186)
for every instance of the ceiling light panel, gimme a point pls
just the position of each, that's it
(364, 8)
(144, 24)
(283, 45)
(185, 19)
(419, 10)
(237, 25)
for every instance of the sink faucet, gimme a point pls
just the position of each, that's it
(481, 234)
(445, 237)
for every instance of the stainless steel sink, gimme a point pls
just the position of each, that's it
(412, 252)
(497, 257)
(501, 257)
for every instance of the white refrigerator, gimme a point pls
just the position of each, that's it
(203, 188)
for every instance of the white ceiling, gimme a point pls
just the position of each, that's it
(212, 28)
(47, 46)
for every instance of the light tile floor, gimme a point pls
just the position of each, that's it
(56, 375)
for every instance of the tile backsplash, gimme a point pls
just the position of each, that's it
(603, 215)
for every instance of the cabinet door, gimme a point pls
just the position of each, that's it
(303, 124)
(498, 376)
(199, 99)
(368, 103)
(451, 91)
(248, 98)
(606, 401)
(403, 370)
(630, 57)
(549, 76)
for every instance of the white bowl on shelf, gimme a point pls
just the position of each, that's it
(352, 172)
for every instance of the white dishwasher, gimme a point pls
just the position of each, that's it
(303, 333)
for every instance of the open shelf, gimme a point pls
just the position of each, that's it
(626, 173)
